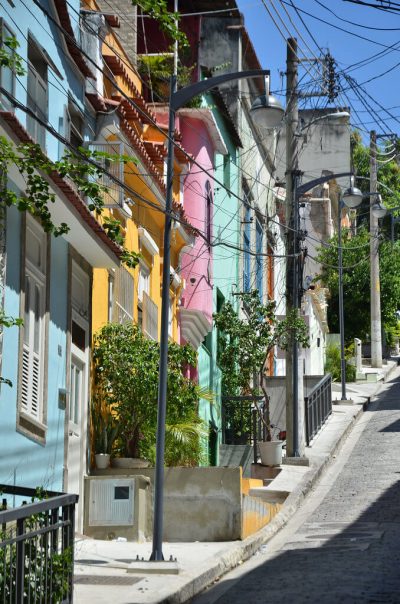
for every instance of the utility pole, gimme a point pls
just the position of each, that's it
(292, 118)
(376, 329)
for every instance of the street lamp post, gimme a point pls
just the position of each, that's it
(177, 99)
(352, 197)
(341, 309)
(355, 195)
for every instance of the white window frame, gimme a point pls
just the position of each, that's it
(170, 316)
(150, 318)
(144, 280)
(35, 80)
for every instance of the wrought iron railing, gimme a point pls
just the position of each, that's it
(318, 406)
(241, 421)
(36, 547)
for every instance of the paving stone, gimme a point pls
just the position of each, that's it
(350, 551)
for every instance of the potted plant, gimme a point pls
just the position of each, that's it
(105, 429)
(246, 341)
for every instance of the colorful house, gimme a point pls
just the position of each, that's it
(47, 280)
(127, 126)
(243, 207)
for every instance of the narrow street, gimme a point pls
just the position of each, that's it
(343, 545)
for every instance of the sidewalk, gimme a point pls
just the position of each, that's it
(107, 571)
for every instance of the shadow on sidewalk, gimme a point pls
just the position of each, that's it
(329, 560)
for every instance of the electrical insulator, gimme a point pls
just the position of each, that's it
(330, 65)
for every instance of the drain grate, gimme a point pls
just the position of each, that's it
(105, 580)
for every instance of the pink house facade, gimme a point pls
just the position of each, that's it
(201, 138)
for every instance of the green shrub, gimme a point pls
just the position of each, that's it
(333, 363)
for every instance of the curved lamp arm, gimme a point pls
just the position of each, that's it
(319, 181)
(182, 96)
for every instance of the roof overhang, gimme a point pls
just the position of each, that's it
(85, 234)
(194, 326)
(205, 115)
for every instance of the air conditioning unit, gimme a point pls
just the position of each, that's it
(118, 505)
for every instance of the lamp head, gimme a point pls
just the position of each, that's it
(378, 209)
(352, 197)
(267, 111)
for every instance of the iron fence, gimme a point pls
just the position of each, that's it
(36, 547)
(237, 419)
(318, 406)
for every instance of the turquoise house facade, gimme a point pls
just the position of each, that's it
(226, 231)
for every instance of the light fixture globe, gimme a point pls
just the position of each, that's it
(379, 210)
(267, 111)
(352, 197)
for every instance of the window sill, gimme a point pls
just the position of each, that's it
(31, 427)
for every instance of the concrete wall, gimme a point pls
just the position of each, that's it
(325, 145)
(276, 390)
(200, 504)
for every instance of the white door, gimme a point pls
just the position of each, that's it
(77, 421)
(75, 427)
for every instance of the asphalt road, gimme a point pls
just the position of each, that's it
(343, 544)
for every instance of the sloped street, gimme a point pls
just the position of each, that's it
(343, 544)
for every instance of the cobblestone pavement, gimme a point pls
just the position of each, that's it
(346, 548)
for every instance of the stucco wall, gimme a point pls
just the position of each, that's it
(200, 504)
(17, 450)
(276, 390)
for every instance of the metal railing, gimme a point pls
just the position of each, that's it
(318, 406)
(37, 547)
(241, 421)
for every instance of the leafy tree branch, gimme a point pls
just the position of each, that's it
(166, 20)
(247, 340)
(86, 176)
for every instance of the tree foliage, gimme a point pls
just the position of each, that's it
(356, 255)
(356, 282)
(125, 367)
(388, 176)
(166, 20)
(82, 168)
(247, 340)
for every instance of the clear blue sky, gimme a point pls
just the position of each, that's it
(347, 47)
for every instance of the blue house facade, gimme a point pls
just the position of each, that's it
(46, 280)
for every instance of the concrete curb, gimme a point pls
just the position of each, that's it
(245, 549)
(228, 560)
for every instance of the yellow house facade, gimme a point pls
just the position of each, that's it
(128, 127)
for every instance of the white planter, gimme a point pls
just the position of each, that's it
(129, 462)
(102, 461)
(271, 452)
